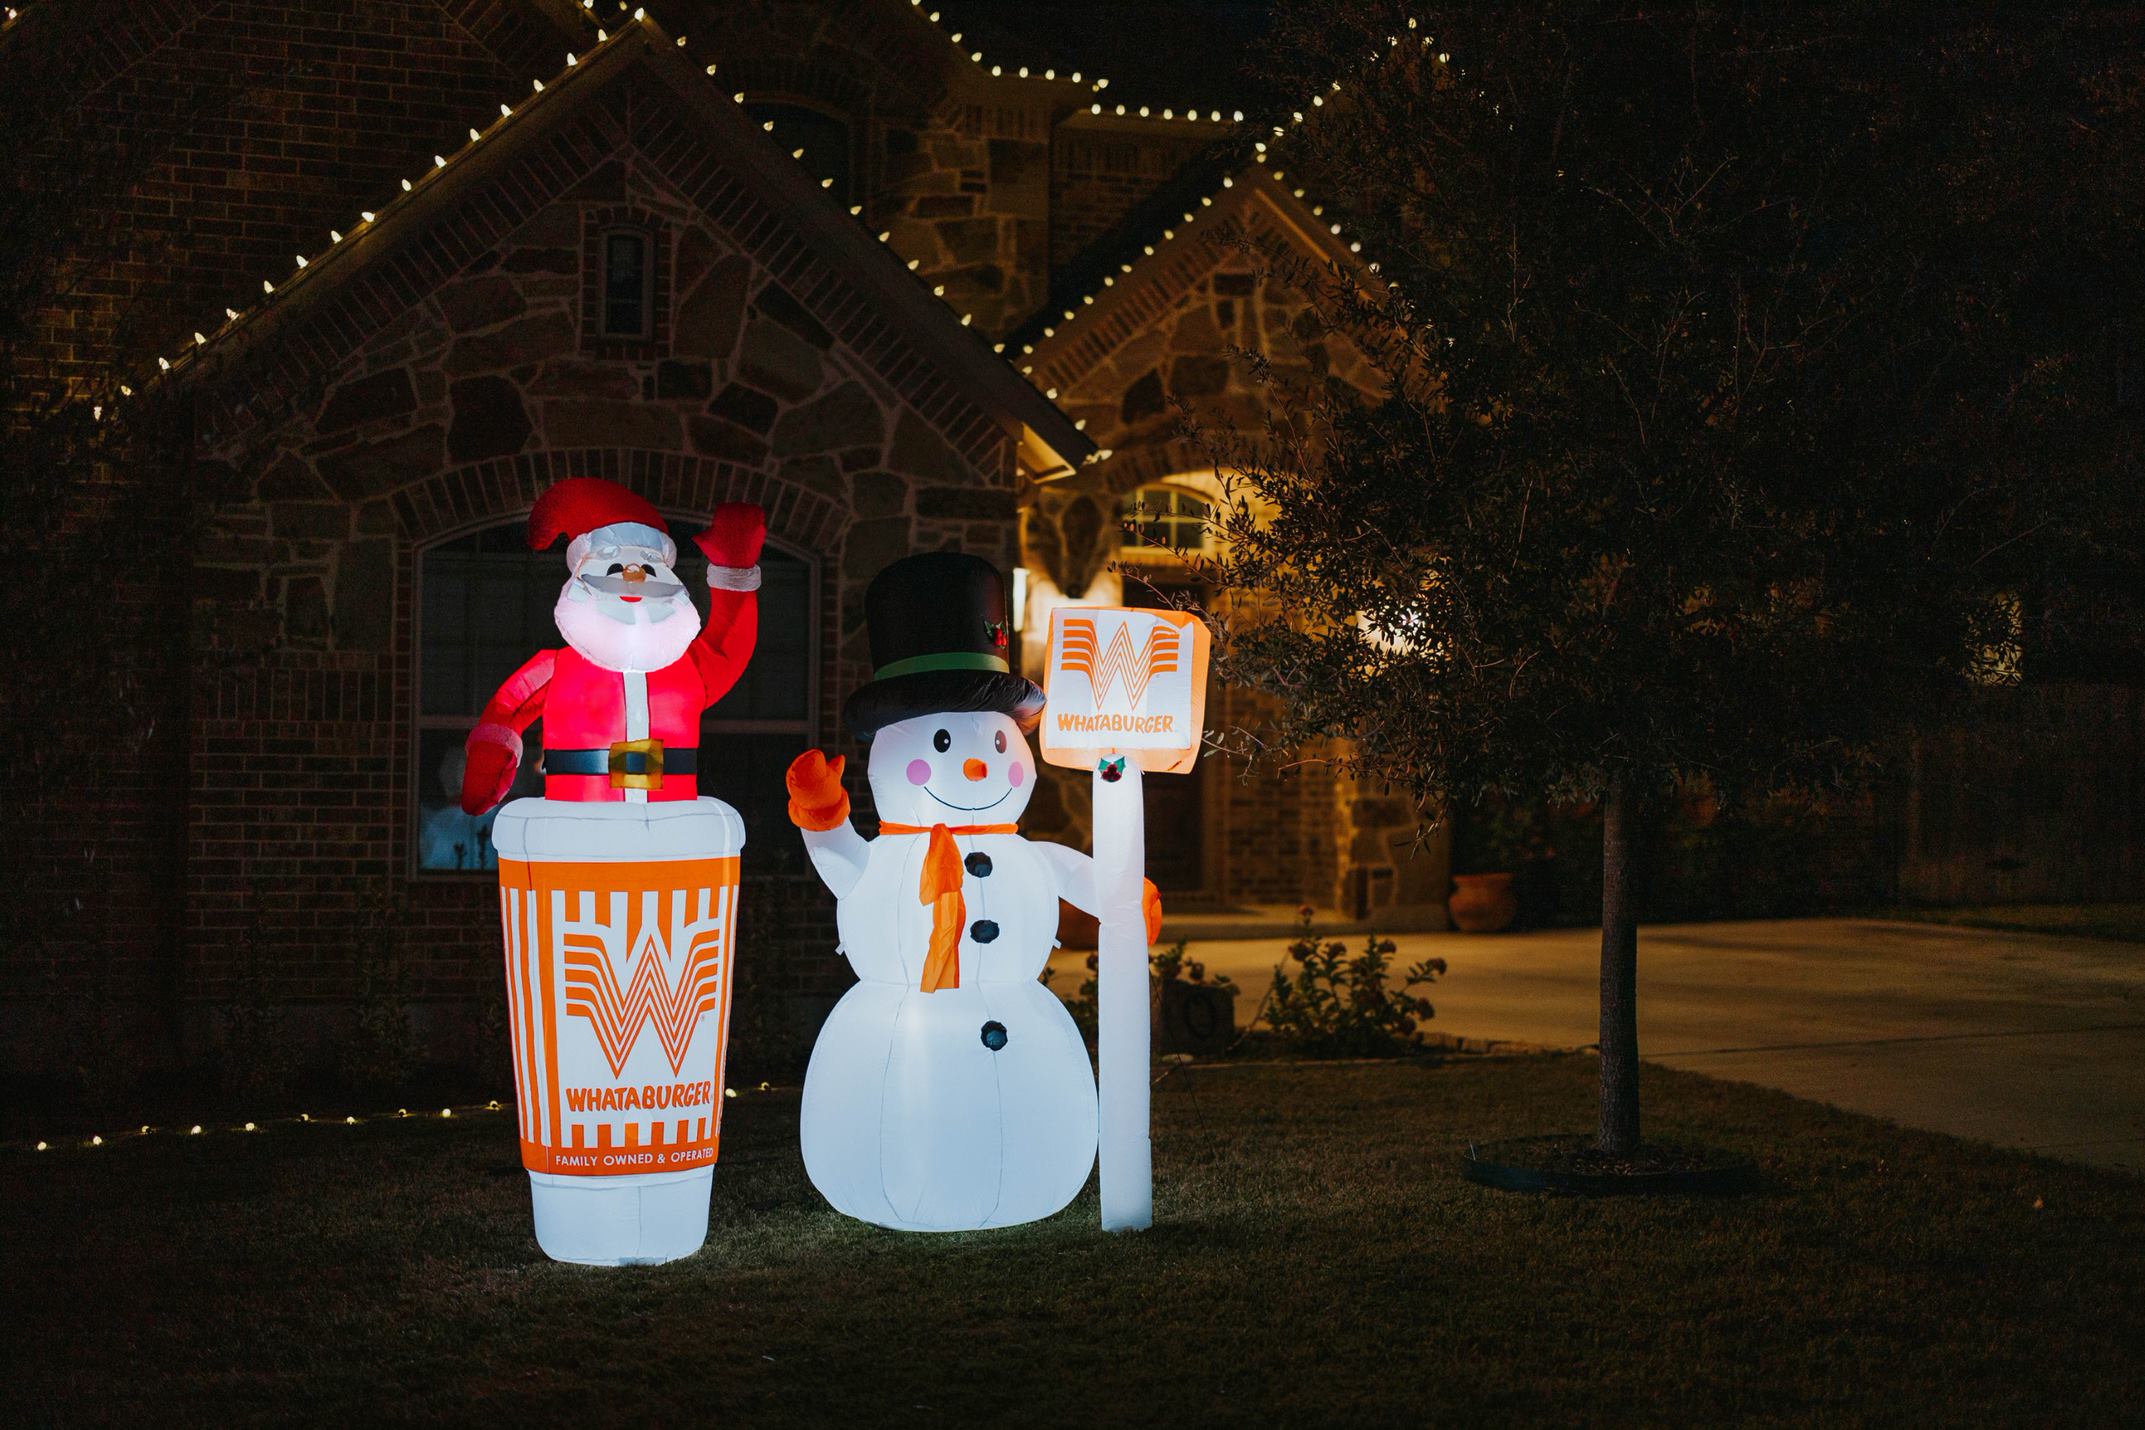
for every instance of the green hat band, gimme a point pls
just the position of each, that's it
(944, 660)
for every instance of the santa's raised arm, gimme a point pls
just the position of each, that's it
(621, 703)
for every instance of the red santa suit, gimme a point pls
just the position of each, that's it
(613, 734)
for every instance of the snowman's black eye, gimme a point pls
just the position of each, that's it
(616, 570)
(942, 741)
(999, 740)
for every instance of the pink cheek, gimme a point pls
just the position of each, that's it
(919, 772)
(1016, 774)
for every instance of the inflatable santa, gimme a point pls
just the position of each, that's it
(949, 1089)
(618, 888)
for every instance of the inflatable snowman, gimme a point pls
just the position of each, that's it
(949, 1089)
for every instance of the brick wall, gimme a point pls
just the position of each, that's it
(264, 125)
(273, 122)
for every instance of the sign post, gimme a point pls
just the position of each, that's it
(1127, 694)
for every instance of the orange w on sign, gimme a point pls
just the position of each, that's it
(591, 988)
(1118, 660)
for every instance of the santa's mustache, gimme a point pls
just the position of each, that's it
(650, 589)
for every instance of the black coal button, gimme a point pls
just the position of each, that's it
(978, 864)
(994, 1035)
(983, 930)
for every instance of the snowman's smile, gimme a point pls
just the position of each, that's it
(969, 808)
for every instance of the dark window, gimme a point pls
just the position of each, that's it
(628, 285)
(824, 138)
(486, 608)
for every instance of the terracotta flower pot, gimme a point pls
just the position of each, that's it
(1482, 903)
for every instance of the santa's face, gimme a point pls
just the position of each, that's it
(625, 609)
(968, 768)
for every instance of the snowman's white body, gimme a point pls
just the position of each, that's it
(911, 1119)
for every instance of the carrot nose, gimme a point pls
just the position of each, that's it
(975, 769)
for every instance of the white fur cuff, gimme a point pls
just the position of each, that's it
(501, 735)
(733, 578)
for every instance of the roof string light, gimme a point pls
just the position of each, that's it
(536, 84)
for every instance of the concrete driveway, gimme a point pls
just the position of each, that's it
(2030, 1041)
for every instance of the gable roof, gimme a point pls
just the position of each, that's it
(1163, 248)
(264, 360)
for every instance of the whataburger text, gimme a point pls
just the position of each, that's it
(645, 1098)
(1072, 721)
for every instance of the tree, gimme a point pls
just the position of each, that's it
(1717, 445)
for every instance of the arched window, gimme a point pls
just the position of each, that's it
(1167, 518)
(485, 607)
(824, 137)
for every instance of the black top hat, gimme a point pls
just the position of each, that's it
(939, 641)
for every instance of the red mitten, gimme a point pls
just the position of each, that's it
(734, 535)
(1151, 906)
(494, 755)
(817, 800)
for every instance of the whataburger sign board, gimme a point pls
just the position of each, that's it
(1125, 681)
(1126, 694)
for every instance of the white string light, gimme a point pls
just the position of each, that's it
(1297, 117)
(975, 57)
(439, 162)
(198, 1129)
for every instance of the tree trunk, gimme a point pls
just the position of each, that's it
(1619, 1133)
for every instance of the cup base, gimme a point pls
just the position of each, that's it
(641, 1220)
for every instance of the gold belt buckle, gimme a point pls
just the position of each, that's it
(646, 772)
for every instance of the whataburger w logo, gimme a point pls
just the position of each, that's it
(592, 992)
(1118, 661)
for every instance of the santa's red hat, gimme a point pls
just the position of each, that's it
(593, 513)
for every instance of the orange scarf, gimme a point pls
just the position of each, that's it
(940, 887)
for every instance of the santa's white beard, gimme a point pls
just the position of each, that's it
(616, 645)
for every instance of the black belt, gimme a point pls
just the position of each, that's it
(677, 760)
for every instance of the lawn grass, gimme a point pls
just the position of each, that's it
(2116, 921)
(1317, 1261)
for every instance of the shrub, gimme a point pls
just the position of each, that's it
(1336, 1006)
(1169, 965)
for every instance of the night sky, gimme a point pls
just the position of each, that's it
(1173, 52)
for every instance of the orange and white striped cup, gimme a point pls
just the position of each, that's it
(620, 923)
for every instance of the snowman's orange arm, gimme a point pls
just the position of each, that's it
(1074, 873)
(520, 701)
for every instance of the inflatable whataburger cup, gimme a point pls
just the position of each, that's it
(620, 923)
